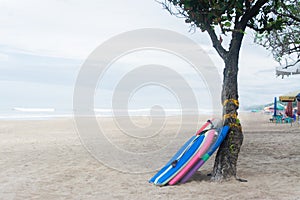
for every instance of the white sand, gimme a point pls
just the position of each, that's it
(46, 160)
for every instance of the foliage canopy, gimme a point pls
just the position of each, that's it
(276, 22)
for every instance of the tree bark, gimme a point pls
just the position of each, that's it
(227, 155)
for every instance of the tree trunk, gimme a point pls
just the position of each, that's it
(227, 155)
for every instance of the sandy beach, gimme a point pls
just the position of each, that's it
(45, 159)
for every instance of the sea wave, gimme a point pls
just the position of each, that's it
(20, 113)
(34, 109)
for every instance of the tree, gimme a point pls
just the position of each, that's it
(284, 43)
(228, 18)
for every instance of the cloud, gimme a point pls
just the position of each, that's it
(24, 66)
(75, 28)
(3, 57)
(45, 42)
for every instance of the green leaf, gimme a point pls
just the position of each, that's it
(227, 24)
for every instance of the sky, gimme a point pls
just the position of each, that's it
(43, 45)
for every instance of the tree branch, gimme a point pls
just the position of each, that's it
(167, 5)
(291, 65)
(216, 43)
(248, 5)
(252, 12)
(259, 29)
(290, 15)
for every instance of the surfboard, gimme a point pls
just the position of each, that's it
(182, 149)
(177, 165)
(195, 158)
(207, 123)
(213, 148)
(176, 156)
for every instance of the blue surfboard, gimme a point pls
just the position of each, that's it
(178, 153)
(178, 161)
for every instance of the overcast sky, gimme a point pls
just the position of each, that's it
(44, 43)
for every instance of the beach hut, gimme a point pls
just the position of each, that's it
(289, 98)
(284, 71)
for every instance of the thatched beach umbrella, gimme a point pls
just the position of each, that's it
(298, 104)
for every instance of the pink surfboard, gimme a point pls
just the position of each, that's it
(209, 122)
(204, 147)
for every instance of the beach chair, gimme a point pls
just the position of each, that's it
(278, 119)
(288, 120)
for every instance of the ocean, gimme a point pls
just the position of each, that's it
(22, 113)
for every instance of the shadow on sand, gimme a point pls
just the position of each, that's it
(200, 176)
